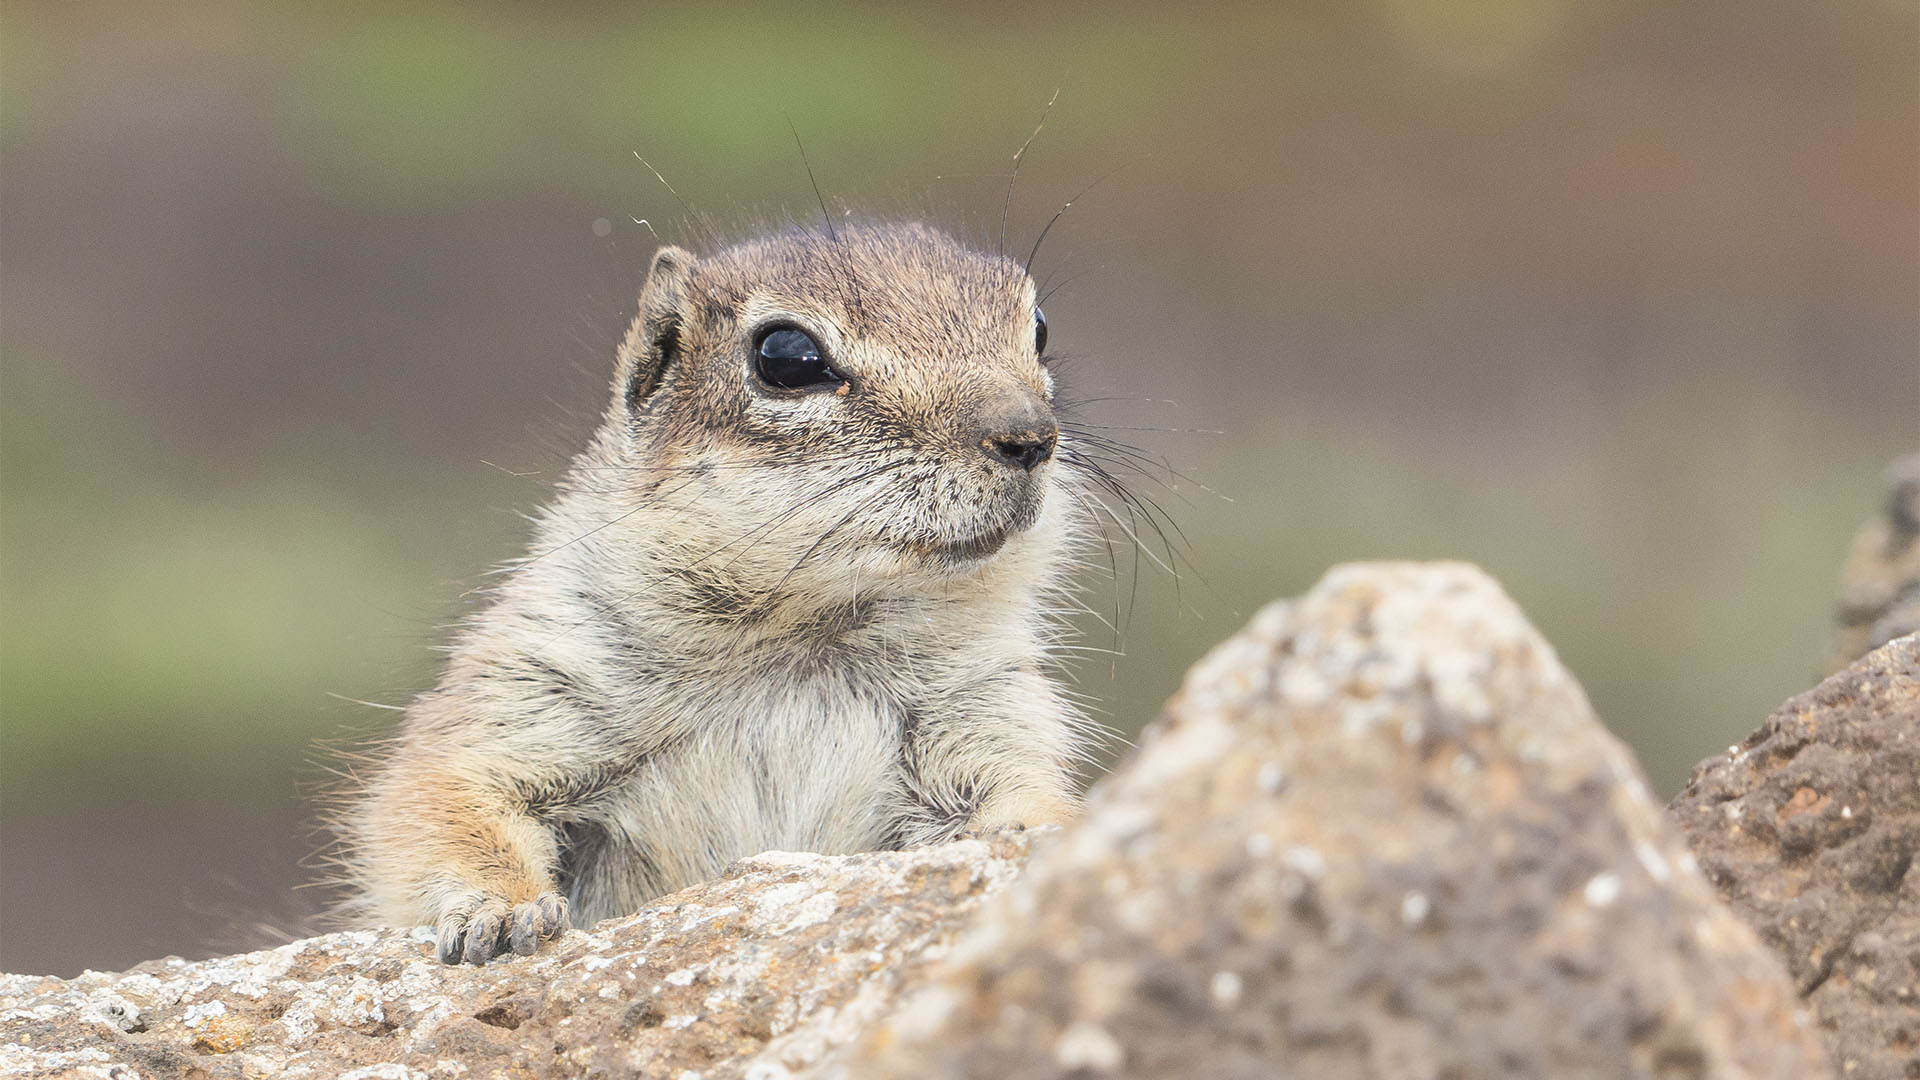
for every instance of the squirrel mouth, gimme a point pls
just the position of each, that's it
(974, 547)
(987, 542)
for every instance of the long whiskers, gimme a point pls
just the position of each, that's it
(754, 536)
(1137, 517)
(692, 471)
(1027, 266)
(1006, 205)
(861, 507)
(764, 531)
(826, 216)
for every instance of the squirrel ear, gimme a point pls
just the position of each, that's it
(653, 341)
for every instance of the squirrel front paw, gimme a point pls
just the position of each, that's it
(1020, 814)
(477, 928)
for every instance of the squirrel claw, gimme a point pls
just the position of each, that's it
(477, 931)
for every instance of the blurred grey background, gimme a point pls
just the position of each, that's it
(300, 306)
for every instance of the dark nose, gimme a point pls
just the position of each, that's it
(1018, 430)
(1026, 449)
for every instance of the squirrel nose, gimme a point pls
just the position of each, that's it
(1026, 449)
(1020, 431)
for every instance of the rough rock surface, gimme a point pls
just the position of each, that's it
(1810, 830)
(1880, 586)
(762, 972)
(1379, 833)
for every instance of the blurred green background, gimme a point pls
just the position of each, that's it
(301, 306)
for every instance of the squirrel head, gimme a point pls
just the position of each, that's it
(875, 400)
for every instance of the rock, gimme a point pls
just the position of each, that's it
(1880, 586)
(786, 958)
(1379, 833)
(1810, 830)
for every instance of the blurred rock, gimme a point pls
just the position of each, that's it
(1880, 586)
(1810, 830)
(1379, 833)
(787, 957)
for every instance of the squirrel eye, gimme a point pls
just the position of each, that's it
(789, 359)
(1039, 332)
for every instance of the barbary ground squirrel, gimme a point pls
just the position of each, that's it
(800, 592)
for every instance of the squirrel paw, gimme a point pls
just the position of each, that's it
(1021, 816)
(482, 927)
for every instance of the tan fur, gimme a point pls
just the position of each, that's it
(751, 620)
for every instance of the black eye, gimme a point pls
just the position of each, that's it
(1039, 332)
(789, 359)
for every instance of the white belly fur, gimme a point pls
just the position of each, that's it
(810, 770)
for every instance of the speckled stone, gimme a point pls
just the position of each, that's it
(1811, 830)
(756, 975)
(1379, 833)
(1880, 585)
